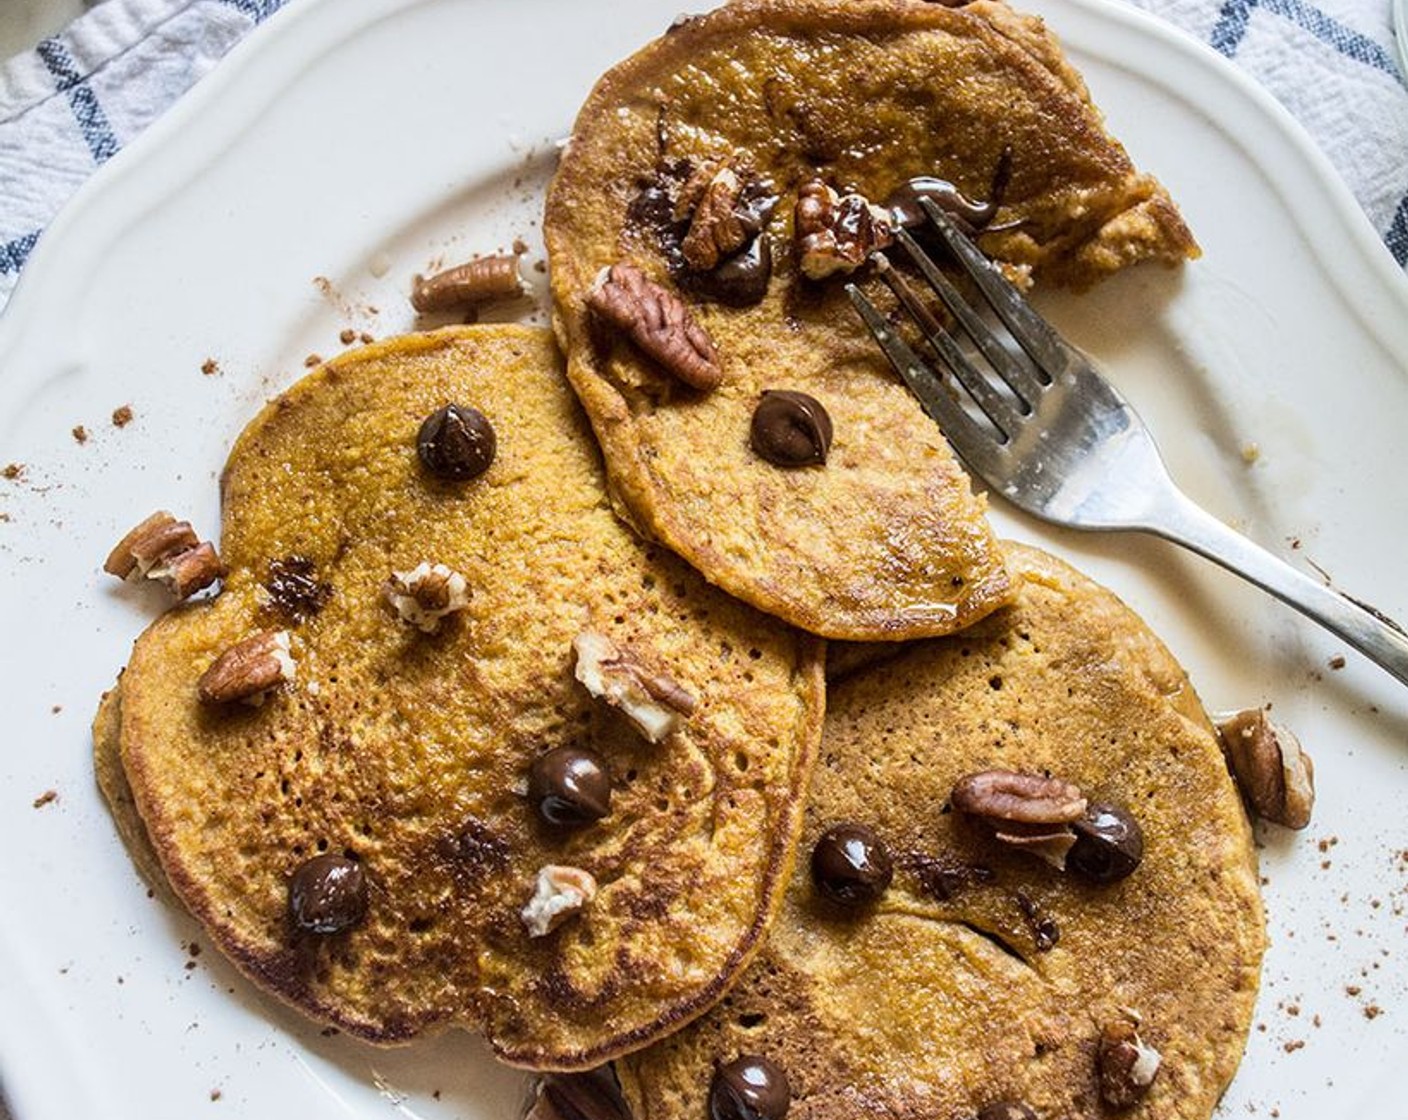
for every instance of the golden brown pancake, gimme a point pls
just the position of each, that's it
(409, 751)
(937, 1001)
(884, 541)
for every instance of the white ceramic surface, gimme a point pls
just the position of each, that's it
(351, 143)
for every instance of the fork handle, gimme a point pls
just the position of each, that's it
(1373, 634)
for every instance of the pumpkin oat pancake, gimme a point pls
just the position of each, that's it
(982, 976)
(764, 140)
(430, 819)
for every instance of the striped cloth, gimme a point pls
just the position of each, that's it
(72, 103)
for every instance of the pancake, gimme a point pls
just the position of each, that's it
(938, 1000)
(884, 540)
(404, 756)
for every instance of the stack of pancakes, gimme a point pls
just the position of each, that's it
(671, 926)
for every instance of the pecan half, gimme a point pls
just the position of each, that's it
(837, 233)
(658, 323)
(164, 549)
(1125, 1064)
(1028, 811)
(560, 892)
(654, 702)
(482, 280)
(1274, 774)
(427, 594)
(248, 669)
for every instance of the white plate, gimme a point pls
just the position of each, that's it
(360, 140)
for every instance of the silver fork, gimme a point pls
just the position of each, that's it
(1051, 435)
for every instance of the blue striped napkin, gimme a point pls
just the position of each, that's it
(69, 105)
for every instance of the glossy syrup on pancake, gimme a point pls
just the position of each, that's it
(364, 843)
(770, 100)
(979, 976)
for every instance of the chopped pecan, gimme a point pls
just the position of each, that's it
(1125, 1064)
(1274, 774)
(190, 571)
(559, 893)
(837, 233)
(426, 594)
(1026, 811)
(716, 227)
(481, 280)
(658, 323)
(654, 702)
(248, 669)
(166, 550)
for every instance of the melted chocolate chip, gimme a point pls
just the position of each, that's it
(903, 202)
(571, 786)
(294, 589)
(741, 280)
(456, 442)
(475, 847)
(1007, 1110)
(851, 865)
(749, 1088)
(790, 429)
(1109, 844)
(327, 894)
(594, 1095)
(943, 876)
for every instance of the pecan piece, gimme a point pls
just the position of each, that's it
(716, 228)
(1027, 811)
(248, 669)
(190, 571)
(654, 702)
(1125, 1064)
(426, 594)
(1274, 774)
(166, 550)
(560, 892)
(837, 233)
(658, 323)
(482, 280)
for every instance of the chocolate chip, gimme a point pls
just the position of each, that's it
(327, 894)
(571, 786)
(851, 865)
(741, 280)
(790, 429)
(1109, 844)
(594, 1095)
(1007, 1110)
(456, 442)
(749, 1088)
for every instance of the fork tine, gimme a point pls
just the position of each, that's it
(1020, 378)
(1035, 335)
(993, 405)
(979, 449)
